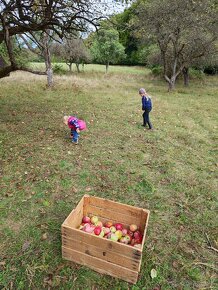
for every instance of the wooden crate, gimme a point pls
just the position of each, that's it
(103, 255)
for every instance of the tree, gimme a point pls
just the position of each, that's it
(39, 43)
(106, 47)
(183, 30)
(72, 50)
(61, 16)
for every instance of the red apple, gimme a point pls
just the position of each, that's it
(124, 232)
(132, 243)
(118, 226)
(138, 236)
(133, 227)
(108, 236)
(97, 231)
(86, 219)
(88, 228)
(108, 224)
(130, 233)
(94, 220)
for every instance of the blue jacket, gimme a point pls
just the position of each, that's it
(146, 103)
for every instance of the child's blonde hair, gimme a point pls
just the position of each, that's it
(142, 91)
(65, 119)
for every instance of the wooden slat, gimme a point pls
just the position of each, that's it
(98, 252)
(145, 217)
(74, 219)
(100, 265)
(112, 215)
(115, 206)
(101, 243)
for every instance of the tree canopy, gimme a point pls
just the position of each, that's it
(183, 30)
(61, 16)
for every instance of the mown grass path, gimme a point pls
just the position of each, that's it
(170, 171)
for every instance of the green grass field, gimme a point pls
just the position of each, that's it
(171, 171)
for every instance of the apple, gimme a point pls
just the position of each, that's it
(86, 219)
(138, 236)
(97, 231)
(108, 236)
(81, 226)
(130, 233)
(113, 229)
(132, 243)
(99, 224)
(118, 226)
(133, 227)
(101, 234)
(124, 232)
(108, 224)
(88, 228)
(106, 230)
(94, 220)
(128, 238)
(118, 233)
(113, 237)
(124, 240)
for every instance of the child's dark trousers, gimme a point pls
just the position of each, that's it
(146, 119)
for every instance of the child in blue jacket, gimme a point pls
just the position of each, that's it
(146, 107)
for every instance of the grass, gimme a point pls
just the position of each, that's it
(170, 171)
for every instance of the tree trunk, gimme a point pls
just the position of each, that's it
(171, 82)
(77, 66)
(107, 66)
(185, 73)
(70, 67)
(47, 58)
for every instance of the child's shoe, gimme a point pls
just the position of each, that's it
(75, 142)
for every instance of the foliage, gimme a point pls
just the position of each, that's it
(72, 50)
(58, 69)
(183, 32)
(57, 16)
(106, 47)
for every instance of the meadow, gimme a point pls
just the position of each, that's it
(172, 171)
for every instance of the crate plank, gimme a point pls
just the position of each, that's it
(110, 214)
(104, 244)
(74, 219)
(106, 255)
(100, 265)
(116, 206)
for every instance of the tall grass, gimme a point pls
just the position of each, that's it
(170, 171)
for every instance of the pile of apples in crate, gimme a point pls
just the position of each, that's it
(112, 231)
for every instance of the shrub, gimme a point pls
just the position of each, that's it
(58, 69)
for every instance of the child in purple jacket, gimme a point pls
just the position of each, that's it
(76, 126)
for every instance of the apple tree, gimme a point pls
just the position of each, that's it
(106, 47)
(60, 16)
(184, 31)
